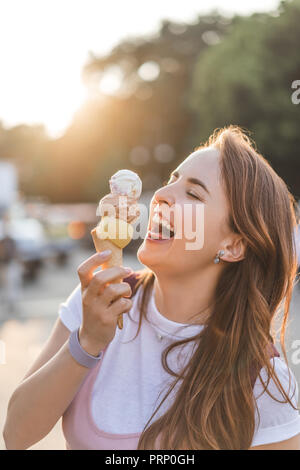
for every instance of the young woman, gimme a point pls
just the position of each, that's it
(194, 366)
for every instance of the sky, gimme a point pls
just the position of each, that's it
(45, 43)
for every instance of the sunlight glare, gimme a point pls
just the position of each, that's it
(111, 80)
(44, 45)
(149, 71)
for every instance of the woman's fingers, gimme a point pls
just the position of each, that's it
(121, 305)
(101, 278)
(86, 269)
(113, 291)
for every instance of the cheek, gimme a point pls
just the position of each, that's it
(202, 229)
(189, 220)
(192, 224)
(214, 227)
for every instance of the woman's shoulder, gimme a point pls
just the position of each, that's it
(70, 311)
(276, 419)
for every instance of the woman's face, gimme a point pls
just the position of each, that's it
(194, 203)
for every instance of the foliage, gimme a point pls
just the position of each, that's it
(246, 80)
(213, 72)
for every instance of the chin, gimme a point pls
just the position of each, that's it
(144, 256)
(153, 257)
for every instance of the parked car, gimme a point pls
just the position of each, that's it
(34, 247)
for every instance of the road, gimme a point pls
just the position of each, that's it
(24, 334)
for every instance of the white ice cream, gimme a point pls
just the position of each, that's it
(126, 183)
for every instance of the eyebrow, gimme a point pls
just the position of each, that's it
(191, 180)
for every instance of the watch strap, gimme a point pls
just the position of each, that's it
(79, 354)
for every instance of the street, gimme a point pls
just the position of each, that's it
(24, 335)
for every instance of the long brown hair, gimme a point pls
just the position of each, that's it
(214, 406)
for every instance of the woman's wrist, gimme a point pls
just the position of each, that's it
(88, 345)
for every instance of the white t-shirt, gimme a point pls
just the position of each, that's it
(131, 381)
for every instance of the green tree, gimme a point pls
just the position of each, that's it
(246, 80)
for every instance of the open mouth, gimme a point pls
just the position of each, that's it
(160, 229)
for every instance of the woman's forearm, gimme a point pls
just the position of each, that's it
(41, 399)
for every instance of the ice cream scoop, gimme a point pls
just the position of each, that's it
(126, 183)
(117, 231)
(120, 207)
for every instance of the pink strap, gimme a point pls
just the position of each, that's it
(132, 280)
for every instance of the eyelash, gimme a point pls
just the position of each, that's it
(165, 183)
(193, 195)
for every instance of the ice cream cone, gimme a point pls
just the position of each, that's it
(116, 258)
(114, 232)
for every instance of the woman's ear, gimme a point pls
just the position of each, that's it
(234, 249)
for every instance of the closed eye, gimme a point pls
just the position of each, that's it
(194, 196)
(165, 183)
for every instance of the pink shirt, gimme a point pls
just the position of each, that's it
(79, 427)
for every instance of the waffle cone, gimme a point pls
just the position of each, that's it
(116, 258)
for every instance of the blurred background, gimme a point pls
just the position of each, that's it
(88, 89)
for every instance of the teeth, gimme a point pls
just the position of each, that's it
(155, 218)
(168, 226)
(158, 220)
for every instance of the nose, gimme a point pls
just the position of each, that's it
(164, 195)
(163, 202)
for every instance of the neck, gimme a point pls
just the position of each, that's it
(186, 299)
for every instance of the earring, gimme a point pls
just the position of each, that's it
(217, 258)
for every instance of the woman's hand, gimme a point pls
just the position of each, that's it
(101, 303)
